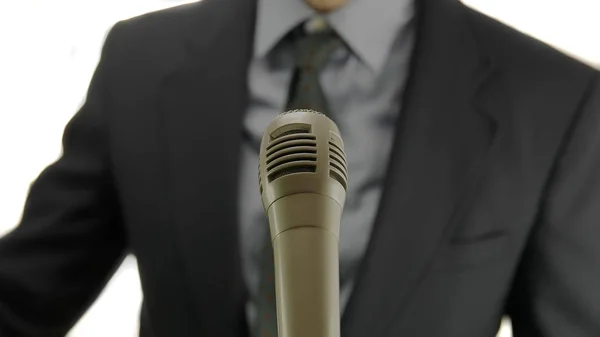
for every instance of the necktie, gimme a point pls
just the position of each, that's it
(311, 53)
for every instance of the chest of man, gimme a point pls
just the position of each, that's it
(458, 197)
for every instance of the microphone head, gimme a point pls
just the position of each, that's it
(302, 152)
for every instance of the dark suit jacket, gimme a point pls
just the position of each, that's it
(491, 205)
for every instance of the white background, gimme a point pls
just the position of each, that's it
(49, 48)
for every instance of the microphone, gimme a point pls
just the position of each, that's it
(303, 179)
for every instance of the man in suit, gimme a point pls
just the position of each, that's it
(473, 152)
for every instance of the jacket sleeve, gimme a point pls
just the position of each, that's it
(71, 237)
(557, 289)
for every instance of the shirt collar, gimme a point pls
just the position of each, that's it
(369, 27)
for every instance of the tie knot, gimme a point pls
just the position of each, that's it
(312, 50)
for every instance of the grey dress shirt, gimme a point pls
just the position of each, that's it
(363, 83)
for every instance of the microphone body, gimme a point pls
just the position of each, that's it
(303, 182)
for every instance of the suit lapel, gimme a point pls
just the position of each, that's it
(202, 102)
(442, 140)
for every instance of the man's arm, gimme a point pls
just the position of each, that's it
(70, 239)
(557, 290)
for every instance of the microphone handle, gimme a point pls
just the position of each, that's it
(307, 266)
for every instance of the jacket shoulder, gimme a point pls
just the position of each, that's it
(166, 24)
(152, 43)
(525, 57)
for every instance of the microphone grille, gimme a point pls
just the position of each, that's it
(293, 149)
(338, 166)
(302, 152)
(300, 110)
